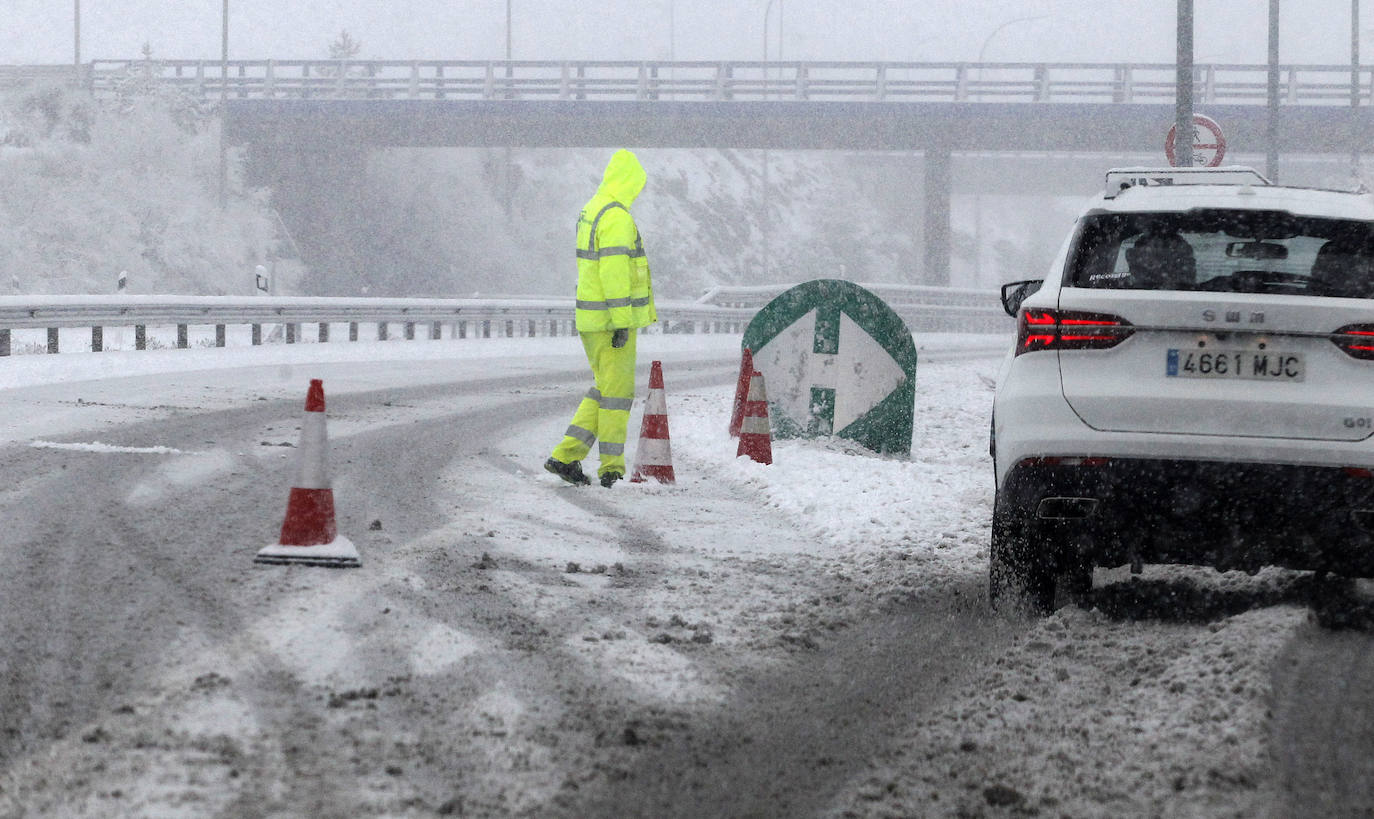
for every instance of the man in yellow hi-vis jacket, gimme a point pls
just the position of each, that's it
(615, 297)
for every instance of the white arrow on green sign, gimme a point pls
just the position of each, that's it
(837, 360)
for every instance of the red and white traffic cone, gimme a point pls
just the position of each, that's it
(755, 436)
(746, 366)
(654, 456)
(309, 535)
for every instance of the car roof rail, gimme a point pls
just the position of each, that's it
(1120, 179)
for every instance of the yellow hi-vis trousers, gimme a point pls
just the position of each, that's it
(604, 414)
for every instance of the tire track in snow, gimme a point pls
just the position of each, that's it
(1323, 725)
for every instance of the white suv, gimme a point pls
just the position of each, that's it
(1192, 383)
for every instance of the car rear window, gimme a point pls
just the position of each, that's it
(1234, 251)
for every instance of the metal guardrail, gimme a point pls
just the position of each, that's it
(1216, 83)
(923, 308)
(896, 295)
(477, 318)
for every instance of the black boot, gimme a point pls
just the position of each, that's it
(608, 480)
(572, 473)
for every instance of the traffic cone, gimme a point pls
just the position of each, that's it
(746, 366)
(308, 534)
(654, 456)
(755, 438)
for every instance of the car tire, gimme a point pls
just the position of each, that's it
(1335, 604)
(1077, 582)
(1021, 576)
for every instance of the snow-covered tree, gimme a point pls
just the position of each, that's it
(91, 187)
(344, 47)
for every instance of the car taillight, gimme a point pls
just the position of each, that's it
(1069, 330)
(1066, 460)
(1356, 340)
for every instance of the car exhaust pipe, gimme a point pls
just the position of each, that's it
(1066, 508)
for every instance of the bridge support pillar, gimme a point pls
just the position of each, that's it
(319, 185)
(937, 230)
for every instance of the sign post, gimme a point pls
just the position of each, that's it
(1208, 146)
(838, 361)
(1183, 94)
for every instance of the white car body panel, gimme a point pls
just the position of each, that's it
(1058, 431)
(1126, 388)
(1118, 402)
(1307, 201)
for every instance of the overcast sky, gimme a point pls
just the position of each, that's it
(41, 31)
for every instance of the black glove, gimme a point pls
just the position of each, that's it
(619, 337)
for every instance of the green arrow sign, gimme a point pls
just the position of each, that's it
(837, 361)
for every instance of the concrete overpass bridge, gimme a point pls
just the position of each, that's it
(295, 114)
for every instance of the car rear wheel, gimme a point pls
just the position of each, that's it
(1335, 604)
(1077, 581)
(1021, 574)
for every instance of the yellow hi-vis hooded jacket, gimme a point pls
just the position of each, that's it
(613, 286)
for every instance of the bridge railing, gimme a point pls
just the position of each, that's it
(14, 75)
(1305, 84)
(300, 319)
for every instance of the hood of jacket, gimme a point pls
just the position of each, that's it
(624, 178)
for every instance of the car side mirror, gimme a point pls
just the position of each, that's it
(1013, 293)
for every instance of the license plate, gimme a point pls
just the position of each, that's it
(1259, 365)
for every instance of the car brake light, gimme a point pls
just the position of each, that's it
(1355, 340)
(1069, 330)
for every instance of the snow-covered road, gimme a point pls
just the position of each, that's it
(806, 638)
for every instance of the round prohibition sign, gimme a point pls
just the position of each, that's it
(1209, 146)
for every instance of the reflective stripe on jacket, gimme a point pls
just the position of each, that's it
(614, 289)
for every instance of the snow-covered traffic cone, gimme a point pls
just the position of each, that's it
(309, 535)
(746, 366)
(654, 456)
(755, 437)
